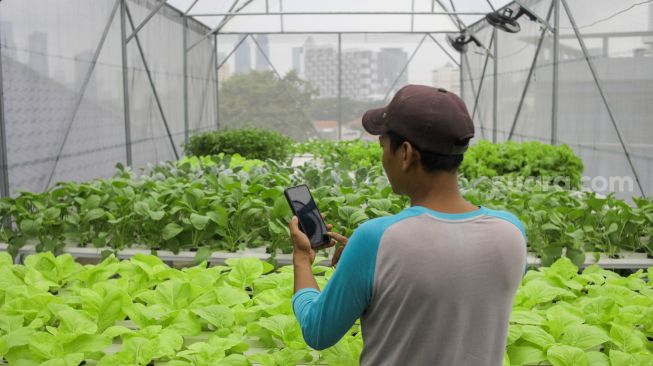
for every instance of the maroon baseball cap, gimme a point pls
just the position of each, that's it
(433, 119)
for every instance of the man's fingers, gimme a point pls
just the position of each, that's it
(336, 256)
(340, 238)
(329, 227)
(294, 226)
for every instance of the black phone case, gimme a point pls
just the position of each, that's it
(285, 192)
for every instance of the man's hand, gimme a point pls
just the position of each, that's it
(302, 250)
(340, 239)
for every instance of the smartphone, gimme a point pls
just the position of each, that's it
(311, 223)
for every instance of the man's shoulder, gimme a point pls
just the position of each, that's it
(374, 228)
(507, 216)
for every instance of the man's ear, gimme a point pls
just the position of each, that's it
(408, 155)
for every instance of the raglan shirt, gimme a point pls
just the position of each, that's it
(430, 288)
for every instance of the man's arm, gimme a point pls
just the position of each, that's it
(326, 316)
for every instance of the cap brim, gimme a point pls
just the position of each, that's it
(374, 123)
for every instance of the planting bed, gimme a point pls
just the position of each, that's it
(54, 311)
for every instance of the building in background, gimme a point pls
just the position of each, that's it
(319, 66)
(390, 62)
(447, 77)
(225, 70)
(243, 58)
(298, 60)
(359, 73)
(38, 46)
(261, 62)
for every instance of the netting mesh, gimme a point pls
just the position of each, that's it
(64, 107)
(617, 37)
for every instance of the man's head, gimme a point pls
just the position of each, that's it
(424, 132)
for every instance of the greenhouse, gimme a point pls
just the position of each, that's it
(150, 150)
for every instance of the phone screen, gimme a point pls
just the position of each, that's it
(304, 207)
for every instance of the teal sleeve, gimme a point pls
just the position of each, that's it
(326, 316)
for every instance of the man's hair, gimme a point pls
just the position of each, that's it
(431, 162)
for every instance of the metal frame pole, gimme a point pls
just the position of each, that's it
(332, 13)
(604, 97)
(471, 82)
(281, 14)
(480, 84)
(227, 17)
(149, 78)
(4, 165)
(444, 49)
(217, 85)
(556, 60)
(276, 72)
(78, 102)
(412, 16)
(461, 78)
(495, 91)
(125, 82)
(530, 75)
(405, 67)
(147, 19)
(185, 71)
(242, 39)
(205, 89)
(339, 86)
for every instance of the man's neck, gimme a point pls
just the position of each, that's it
(440, 193)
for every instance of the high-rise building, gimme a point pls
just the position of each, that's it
(447, 77)
(243, 58)
(359, 73)
(225, 71)
(261, 62)
(38, 46)
(390, 62)
(298, 60)
(320, 68)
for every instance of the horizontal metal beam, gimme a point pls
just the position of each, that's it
(629, 260)
(338, 32)
(147, 19)
(336, 13)
(190, 7)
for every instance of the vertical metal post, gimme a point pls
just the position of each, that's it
(462, 80)
(412, 16)
(339, 86)
(185, 66)
(556, 60)
(125, 82)
(530, 75)
(281, 16)
(495, 92)
(480, 83)
(604, 97)
(217, 85)
(151, 81)
(4, 169)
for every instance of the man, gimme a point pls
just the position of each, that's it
(434, 284)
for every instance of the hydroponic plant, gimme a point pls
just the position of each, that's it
(54, 311)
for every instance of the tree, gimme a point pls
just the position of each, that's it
(260, 99)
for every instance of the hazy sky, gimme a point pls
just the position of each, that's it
(592, 17)
(427, 58)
